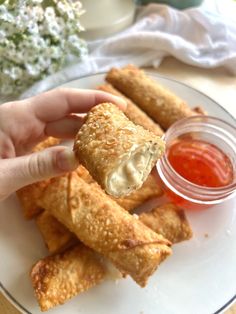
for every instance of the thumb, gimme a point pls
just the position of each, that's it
(21, 171)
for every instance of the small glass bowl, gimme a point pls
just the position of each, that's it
(179, 190)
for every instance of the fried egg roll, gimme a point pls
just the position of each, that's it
(118, 154)
(157, 101)
(28, 196)
(101, 224)
(30, 193)
(55, 235)
(168, 220)
(58, 278)
(133, 112)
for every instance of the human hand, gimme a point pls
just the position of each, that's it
(25, 123)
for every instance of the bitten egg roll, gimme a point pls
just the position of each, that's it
(55, 235)
(158, 102)
(58, 278)
(149, 189)
(170, 221)
(118, 154)
(104, 226)
(30, 193)
(133, 112)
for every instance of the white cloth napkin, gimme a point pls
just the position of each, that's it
(195, 36)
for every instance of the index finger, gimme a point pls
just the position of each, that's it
(58, 103)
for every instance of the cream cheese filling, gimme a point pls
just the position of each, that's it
(131, 171)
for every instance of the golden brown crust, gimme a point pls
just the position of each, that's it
(50, 141)
(150, 189)
(55, 235)
(133, 112)
(58, 278)
(168, 220)
(104, 226)
(29, 194)
(106, 137)
(159, 103)
(84, 174)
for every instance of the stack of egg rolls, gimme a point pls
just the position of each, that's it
(65, 274)
(167, 220)
(104, 226)
(133, 112)
(158, 102)
(76, 208)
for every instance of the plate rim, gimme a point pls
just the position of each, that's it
(232, 300)
(12, 300)
(155, 75)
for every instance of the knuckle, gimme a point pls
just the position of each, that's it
(36, 166)
(39, 165)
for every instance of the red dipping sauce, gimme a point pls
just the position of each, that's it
(200, 163)
(198, 169)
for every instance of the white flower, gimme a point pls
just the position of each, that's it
(33, 69)
(2, 36)
(36, 14)
(5, 15)
(43, 62)
(61, 7)
(37, 38)
(14, 72)
(33, 27)
(55, 52)
(37, 1)
(49, 14)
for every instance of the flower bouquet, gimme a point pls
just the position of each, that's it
(37, 38)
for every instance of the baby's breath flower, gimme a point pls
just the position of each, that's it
(49, 14)
(37, 38)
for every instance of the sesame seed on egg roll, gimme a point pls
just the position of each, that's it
(118, 154)
(157, 101)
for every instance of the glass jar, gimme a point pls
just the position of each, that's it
(183, 192)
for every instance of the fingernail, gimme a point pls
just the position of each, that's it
(66, 160)
(121, 103)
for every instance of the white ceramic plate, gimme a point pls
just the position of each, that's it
(199, 278)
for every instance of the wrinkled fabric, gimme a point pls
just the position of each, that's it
(195, 36)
